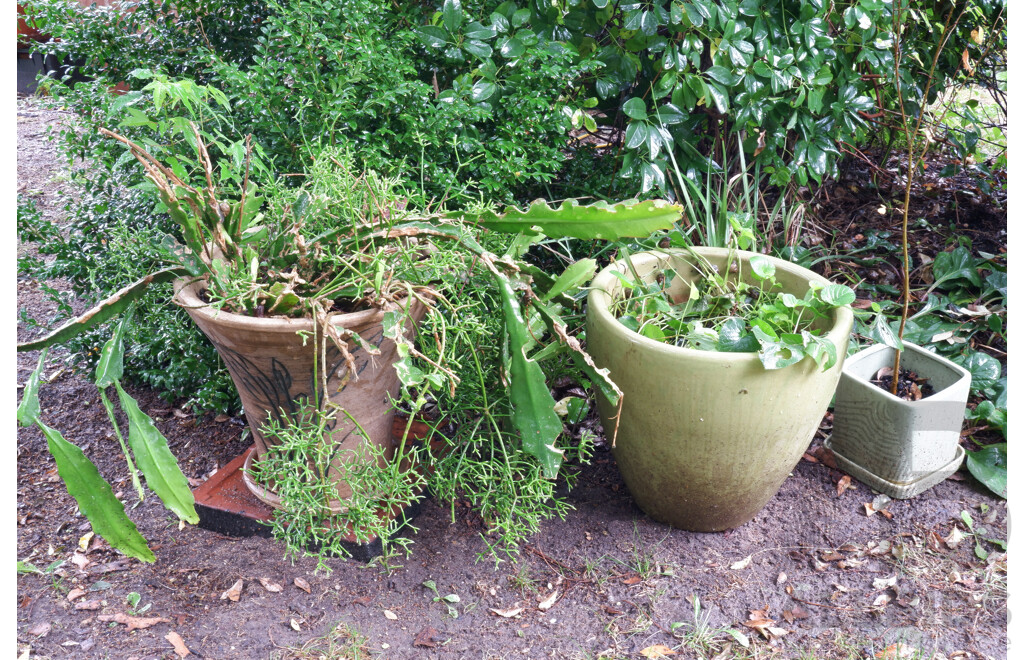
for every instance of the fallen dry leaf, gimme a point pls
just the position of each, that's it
(178, 643)
(302, 584)
(843, 484)
(832, 556)
(827, 458)
(795, 614)
(657, 651)
(509, 613)
(133, 622)
(897, 651)
(40, 629)
(548, 602)
(883, 548)
(234, 593)
(426, 638)
(884, 583)
(766, 627)
(954, 538)
(966, 60)
(83, 543)
(881, 601)
(760, 144)
(80, 560)
(76, 593)
(272, 587)
(295, 625)
(781, 579)
(741, 564)
(89, 605)
(388, 614)
(633, 579)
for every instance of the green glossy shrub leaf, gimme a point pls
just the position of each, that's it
(95, 498)
(635, 108)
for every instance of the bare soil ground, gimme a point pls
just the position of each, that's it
(812, 576)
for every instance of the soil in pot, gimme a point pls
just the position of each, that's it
(909, 387)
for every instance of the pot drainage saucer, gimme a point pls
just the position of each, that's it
(895, 490)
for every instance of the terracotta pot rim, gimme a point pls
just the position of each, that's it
(267, 496)
(186, 294)
(600, 298)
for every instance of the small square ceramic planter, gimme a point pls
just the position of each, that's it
(900, 448)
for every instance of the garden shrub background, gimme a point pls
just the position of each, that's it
(472, 101)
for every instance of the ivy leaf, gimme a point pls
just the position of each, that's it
(779, 354)
(734, 338)
(988, 465)
(761, 267)
(837, 295)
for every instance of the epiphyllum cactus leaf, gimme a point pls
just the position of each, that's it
(599, 220)
(94, 496)
(104, 311)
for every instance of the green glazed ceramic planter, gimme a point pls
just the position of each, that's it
(900, 448)
(704, 438)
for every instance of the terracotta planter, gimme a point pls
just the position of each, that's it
(900, 448)
(273, 371)
(705, 439)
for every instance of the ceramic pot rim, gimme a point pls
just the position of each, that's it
(600, 298)
(186, 294)
(852, 360)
